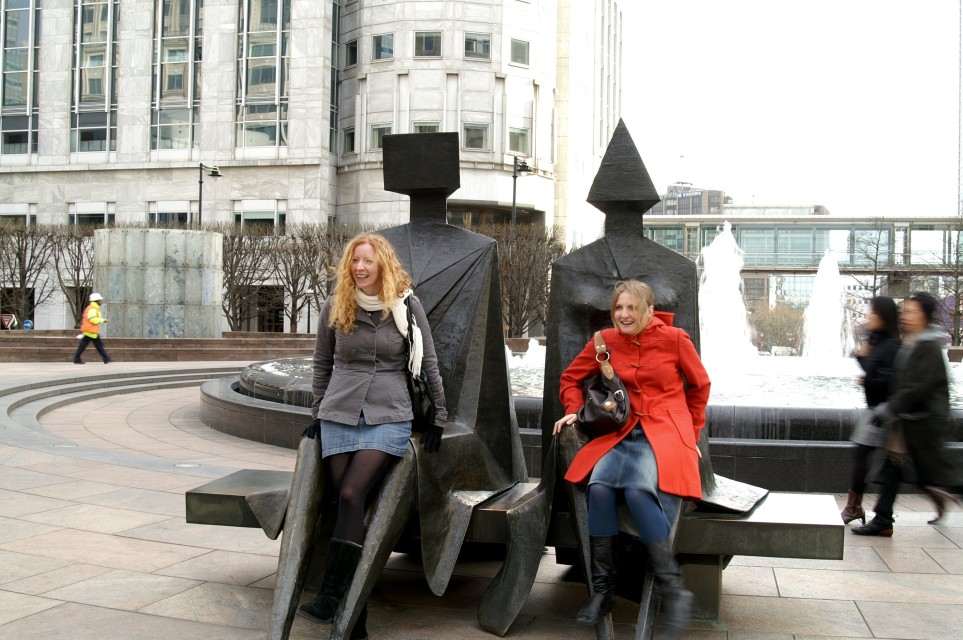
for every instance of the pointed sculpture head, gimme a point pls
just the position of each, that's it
(622, 188)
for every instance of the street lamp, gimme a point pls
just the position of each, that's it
(518, 166)
(310, 294)
(214, 173)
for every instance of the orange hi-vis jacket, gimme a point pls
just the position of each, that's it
(90, 323)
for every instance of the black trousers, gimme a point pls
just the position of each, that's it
(889, 477)
(97, 343)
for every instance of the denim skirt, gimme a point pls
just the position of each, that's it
(390, 437)
(628, 465)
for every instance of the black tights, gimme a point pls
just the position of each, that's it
(354, 475)
(861, 455)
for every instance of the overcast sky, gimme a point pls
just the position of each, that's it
(851, 104)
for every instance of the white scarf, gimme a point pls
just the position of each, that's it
(400, 315)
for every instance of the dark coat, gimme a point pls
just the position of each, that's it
(668, 390)
(365, 371)
(920, 401)
(878, 367)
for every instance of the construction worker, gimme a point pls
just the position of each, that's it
(90, 329)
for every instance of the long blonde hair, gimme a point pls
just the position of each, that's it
(643, 295)
(394, 280)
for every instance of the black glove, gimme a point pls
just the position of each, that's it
(313, 431)
(431, 438)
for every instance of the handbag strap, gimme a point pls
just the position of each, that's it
(409, 338)
(602, 350)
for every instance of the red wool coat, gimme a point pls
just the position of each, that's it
(668, 390)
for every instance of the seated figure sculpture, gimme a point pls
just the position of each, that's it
(579, 305)
(455, 275)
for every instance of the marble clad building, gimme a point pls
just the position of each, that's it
(109, 106)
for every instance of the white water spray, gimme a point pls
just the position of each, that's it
(723, 323)
(827, 328)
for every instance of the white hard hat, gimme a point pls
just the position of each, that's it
(96, 297)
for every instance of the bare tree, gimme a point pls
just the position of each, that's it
(873, 249)
(247, 257)
(296, 264)
(25, 281)
(778, 326)
(525, 255)
(73, 257)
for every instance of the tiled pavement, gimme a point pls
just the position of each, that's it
(96, 547)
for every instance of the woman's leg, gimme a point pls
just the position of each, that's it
(653, 529)
(603, 525)
(602, 518)
(861, 454)
(353, 475)
(363, 472)
(857, 485)
(647, 515)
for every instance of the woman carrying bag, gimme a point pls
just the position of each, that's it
(875, 356)
(653, 459)
(362, 410)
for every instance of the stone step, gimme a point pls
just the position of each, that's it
(55, 346)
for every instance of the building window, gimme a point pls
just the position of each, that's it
(164, 214)
(17, 214)
(519, 52)
(383, 46)
(478, 46)
(94, 213)
(518, 141)
(425, 127)
(19, 101)
(475, 136)
(348, 141)
(261, 113)
(428, 44)
(268, 215)
(351, 53)
(93, 121)
(378, 133)
(176, 87)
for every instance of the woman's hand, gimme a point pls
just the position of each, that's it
(567, 420)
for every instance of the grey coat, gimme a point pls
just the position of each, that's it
(919, 400)
(365, 371)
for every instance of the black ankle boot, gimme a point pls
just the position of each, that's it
(677, 601)
(339, 568)
(603, 580)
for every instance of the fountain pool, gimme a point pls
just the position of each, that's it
(772, 381)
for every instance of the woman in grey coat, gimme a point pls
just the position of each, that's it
(918, 412)
(362, 410)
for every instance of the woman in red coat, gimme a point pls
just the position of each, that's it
(653, 459)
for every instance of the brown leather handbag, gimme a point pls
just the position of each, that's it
(606, 406)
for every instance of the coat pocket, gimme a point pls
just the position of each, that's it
(683, 424)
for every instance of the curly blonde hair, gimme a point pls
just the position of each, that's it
(394, 280)
(643, 296)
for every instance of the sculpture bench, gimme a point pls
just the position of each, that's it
(783, 525)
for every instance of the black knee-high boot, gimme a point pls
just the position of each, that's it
(677, 601)
(339, 568)
(360, 631)
(603, 580)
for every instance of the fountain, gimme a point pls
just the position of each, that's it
(828, 330)
(726, 336)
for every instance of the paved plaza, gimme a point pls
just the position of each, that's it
(93, 545)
